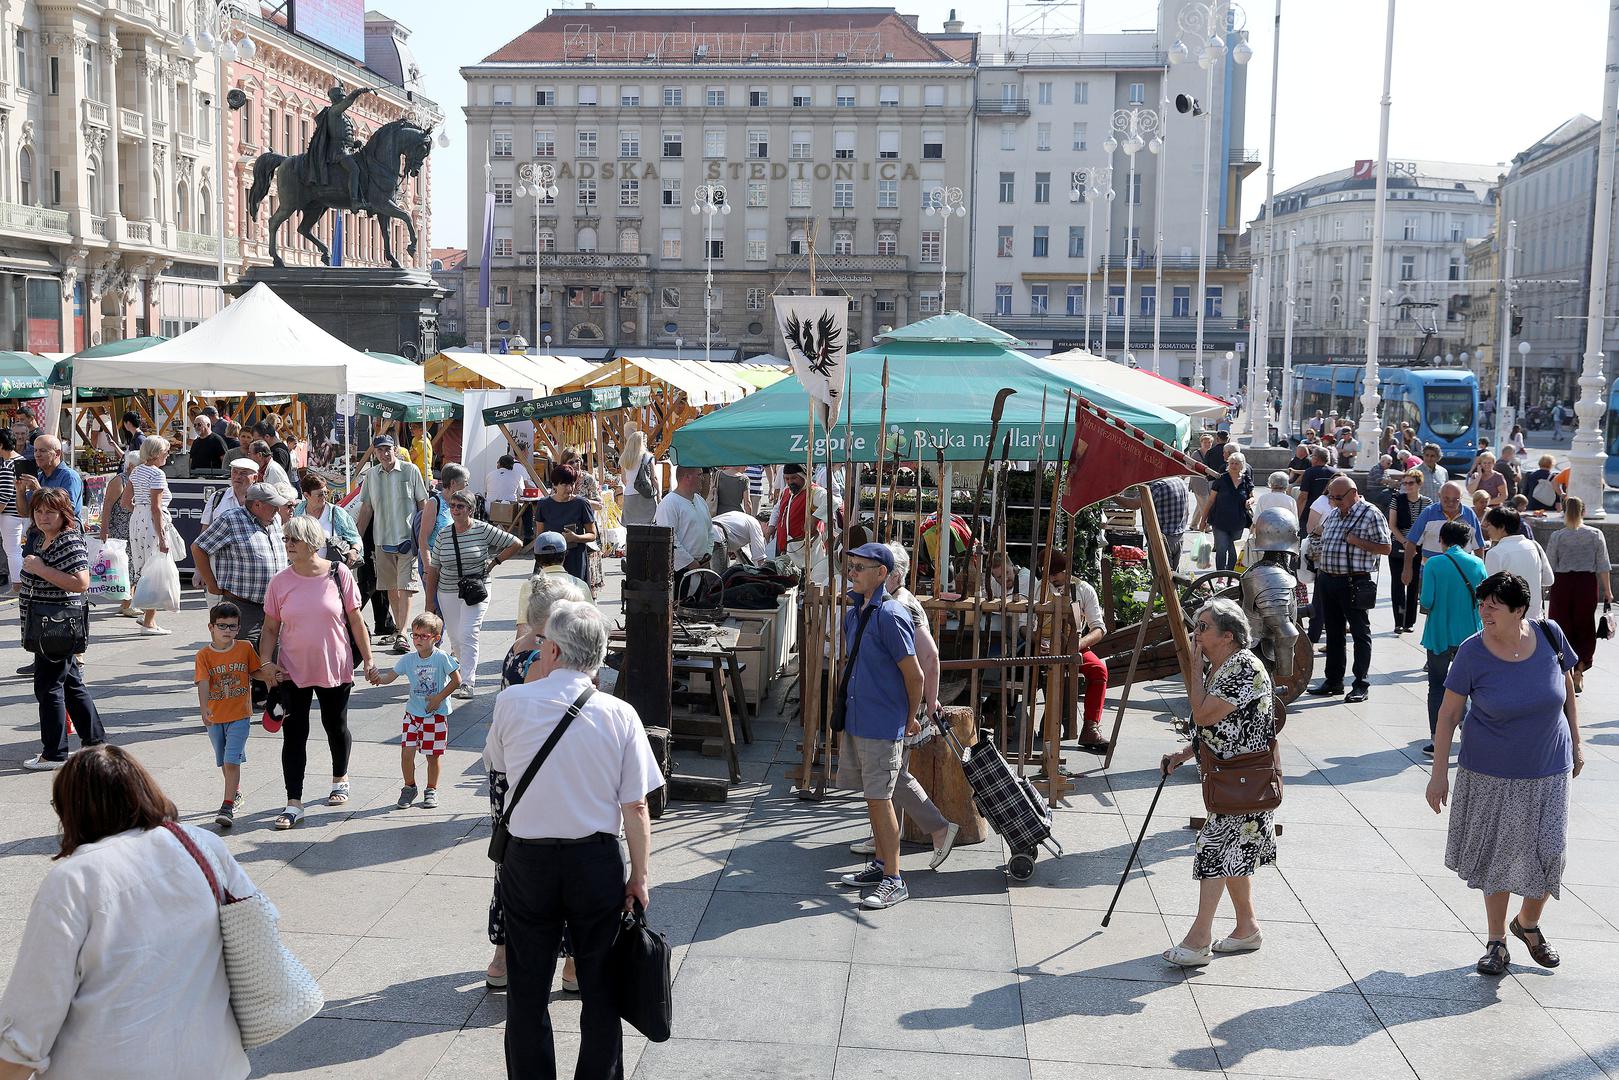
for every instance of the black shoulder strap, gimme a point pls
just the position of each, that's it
(337, 579)
(854, 650)
(1555, 640)
(545, 752)
(1471, 595)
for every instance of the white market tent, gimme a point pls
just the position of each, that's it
(474, 369)
(257, 344)
(1139, 383)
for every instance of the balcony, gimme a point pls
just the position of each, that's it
(857, 264)
(1003, 106)
(190, 243)
(1240, 156)
(98, 227)
(585, 260)
(1175, 332)
(137, 232)
(1143, 58)
(131, 123)
(1145, 261)
(97, 113)
(160, 130)
(188, 143)
(14, 217)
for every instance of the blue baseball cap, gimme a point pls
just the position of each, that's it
(878, 553)
(550, 543)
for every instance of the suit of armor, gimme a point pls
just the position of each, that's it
(1269, 598)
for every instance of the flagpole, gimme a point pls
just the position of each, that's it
(488, 238)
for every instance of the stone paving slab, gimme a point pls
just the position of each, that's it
(1366, 970)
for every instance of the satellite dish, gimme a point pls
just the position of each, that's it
(235, 99)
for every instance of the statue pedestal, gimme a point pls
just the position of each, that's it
(370, 308)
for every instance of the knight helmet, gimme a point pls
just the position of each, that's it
(1276, 529)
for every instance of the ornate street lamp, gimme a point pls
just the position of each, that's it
(539, 179)
(1132, 129)
(1088, 185)
(945, 203)
(709, 200)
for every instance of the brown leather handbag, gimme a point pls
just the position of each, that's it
(1246, 784)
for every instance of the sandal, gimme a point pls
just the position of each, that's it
(1541, 950)
(1181, 956)
(1495, 958)
(339, 795)
(1227, 945)
(289, 817)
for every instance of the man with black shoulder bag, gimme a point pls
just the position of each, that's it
(557, 841)
(1354, 537)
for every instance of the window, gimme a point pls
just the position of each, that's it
(929, 303)
(930, 247)
(1008, 187)
(673, 97)
(888, 97)
(672, 144)
(1082, 93)
(714, 143)
(503, 244)
(1138, 93)
(629, 97)
(629, 193)
(798, 193)
(1008, 136)
(1003, 241)
(932, 190)
(758, 193)
(1180, 302)
(759, 98)
(887, 242)
(1039, 299)
(545, 144)
(587, 193)
(1455, 230)
(843, 195)
(843, 145)
(1042, 187)
(797, 243)
(1409, 231)
(887, 194)
(503, 293)
(1213, 301)
(1455, 273)
(843, 242)
(758, 243)
(585, 240)
(1003, 299)
(548, 239)
(1115, 300)
(671, 297)
(587, 97)
(887, 145)
(545, 96)
(503, 192)
(756, 299)
(586, 143)
(716, 248)
(1135, 189)
(1076, 300)
(1079, 136)
(1337, 310)
(715, 97)
(932, 145)
(802, 146)
(1042, 136)
(803, 97)
(1408, 267)
(1366, 266)
(845, 98)
(1043, 93)
(759, 144)
(1149, 300)
(1076, 241)
(1042, 241)
(1366, 227)
(629, 142)
(248, 128)
(671, 250)
(1338, 228)
(671, 192)
(502, 142)
(25, 59)
(1306, 308)
(933, 96)
(629, 240)
(92, 187)
(1337, 268)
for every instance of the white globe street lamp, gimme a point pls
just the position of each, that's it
(945, 203)
(537, 179)
(1088, 185)
(710, 200)
(1133, 130)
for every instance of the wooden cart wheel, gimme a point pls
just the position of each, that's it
(1210, 586)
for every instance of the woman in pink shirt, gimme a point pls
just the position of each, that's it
(312, 610)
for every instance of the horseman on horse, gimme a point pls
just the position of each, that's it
(333, 144)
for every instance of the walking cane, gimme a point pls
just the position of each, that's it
(1142, 836)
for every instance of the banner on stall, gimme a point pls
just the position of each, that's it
(816, 331)
(1108, 456)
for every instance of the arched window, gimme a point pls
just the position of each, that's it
(1337, 310)
(843, 242)
(587, 239)
(92, 184)
(548, 239)
(887, 242)
(629, 240)
(25, 176)
(182, 207)
(205, 204)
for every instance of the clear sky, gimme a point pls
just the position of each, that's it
(1474, 80)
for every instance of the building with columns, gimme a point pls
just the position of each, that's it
(823, 125)
(110, 137)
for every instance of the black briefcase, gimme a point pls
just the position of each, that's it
(639, 969)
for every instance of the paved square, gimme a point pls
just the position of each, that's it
(1367, 969)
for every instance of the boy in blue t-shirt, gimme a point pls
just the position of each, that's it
(433, 677)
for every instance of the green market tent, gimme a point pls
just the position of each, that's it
(23, 375)
(944, 373)
(62, 374)
(435, 404)
(591, 400)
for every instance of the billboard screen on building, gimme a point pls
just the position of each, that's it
(337, 24)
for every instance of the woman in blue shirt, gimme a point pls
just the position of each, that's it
(1509, 819)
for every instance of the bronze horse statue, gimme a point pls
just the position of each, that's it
(379, 162)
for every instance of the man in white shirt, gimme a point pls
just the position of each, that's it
(684, 511)
(563, 863)
(739, 534)
(1517, 554)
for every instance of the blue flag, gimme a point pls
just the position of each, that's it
(337, 238)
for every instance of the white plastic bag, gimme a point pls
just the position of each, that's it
(109, 570)
(159, 587)
(1197, 553)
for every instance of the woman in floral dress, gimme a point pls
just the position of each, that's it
(1234, 714)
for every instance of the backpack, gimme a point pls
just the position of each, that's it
(644, 486)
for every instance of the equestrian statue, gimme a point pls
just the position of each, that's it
(337, 172)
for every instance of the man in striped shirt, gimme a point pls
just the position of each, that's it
(13, 526)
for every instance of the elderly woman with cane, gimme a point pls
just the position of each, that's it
(1235, 717)
(1509, 813)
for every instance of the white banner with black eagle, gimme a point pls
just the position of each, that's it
(816, 330)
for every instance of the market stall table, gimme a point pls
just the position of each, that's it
(713, 652)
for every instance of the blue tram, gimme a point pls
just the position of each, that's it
(1440, 404)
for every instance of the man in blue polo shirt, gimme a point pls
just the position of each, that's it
(1422, 538)
(51, 473)
(881, 685)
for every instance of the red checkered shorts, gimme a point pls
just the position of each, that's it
(431, 733)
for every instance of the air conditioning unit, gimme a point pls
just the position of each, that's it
(841, 56)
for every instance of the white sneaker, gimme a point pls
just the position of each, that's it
(864, 847)
(41, 763)
(464, 693)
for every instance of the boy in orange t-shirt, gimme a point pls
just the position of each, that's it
(224, 694)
